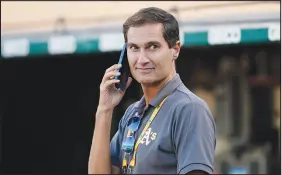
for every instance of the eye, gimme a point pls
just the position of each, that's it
(153, 47)
(133, 48)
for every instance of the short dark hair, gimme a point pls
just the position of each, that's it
(154, 15)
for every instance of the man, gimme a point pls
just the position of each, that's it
(180, 134)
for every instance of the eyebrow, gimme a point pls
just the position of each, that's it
(153, 42)
(148, 43)
(131, 44)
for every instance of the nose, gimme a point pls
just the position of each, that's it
(142, 58)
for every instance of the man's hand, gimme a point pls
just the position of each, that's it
(110, 96)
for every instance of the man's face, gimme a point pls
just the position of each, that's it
(150, 59)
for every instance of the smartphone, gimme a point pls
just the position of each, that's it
(124, 70)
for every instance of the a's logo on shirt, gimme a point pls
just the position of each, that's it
(148, 137)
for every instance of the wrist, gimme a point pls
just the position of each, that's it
(104, 112)
(104, 109)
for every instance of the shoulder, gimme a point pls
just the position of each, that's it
(187, 106)
(184, 98)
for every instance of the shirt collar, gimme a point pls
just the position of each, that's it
(165, 91)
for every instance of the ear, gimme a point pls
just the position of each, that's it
(176, 50)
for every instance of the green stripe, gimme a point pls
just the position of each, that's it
(195, 38)
(37, 48)
(87, 46)
(254, 35)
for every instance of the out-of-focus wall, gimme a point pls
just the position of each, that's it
(42, 15)
(209, 97)
(277, 106)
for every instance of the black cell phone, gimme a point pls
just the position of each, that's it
(124, 70)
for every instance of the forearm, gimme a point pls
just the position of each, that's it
(100, 158)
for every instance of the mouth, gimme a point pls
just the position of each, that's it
(144, 70)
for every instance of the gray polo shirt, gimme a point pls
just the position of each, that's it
(180, 139)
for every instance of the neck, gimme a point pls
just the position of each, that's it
(151, 91)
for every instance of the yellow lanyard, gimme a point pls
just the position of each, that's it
(133, 160)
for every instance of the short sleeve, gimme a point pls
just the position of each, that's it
(194, 138)
(115, 147)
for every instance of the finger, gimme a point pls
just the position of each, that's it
(110, 82)
(110, 75)
(113, 67)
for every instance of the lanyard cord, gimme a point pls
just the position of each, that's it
(133, 160)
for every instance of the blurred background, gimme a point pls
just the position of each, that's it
(54, 54)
